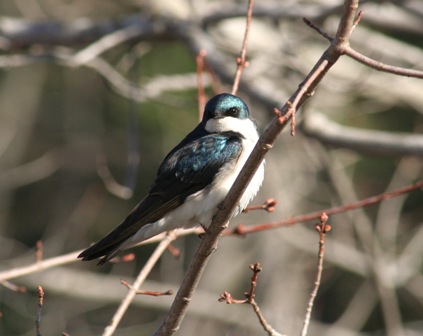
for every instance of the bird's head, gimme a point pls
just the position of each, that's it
(225, 105)
(225, 112)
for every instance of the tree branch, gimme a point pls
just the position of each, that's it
(265, 143)
(132, 292)
(22, 33)
(318, 126)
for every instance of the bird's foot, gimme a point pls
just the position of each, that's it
(206, 231)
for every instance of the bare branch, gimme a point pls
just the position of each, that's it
(322, 228)
(110, 183)
(39, 247)
(33, 171)
(242, 59)
(379, 66)
(13, 287)
(40, 307)
(200, 83)
(72, 257)
(105, 43)
(268, 206)
(122, 86)
(242, 230)
(318, 126)
(250, 299)
(110, 329)
(21, 33)
(39, 266)
(145, 292)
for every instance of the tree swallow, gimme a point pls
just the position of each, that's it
(193, 179)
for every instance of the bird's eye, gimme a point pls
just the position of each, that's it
(233, 111)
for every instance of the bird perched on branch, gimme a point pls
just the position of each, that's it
(192, 180)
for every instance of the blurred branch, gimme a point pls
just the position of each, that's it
(132, 292)
(109, 181)
(105, 43)
(40, 307)
(72, 257)
(317, 125)
(241, 61)
(242, 230)
(22, 33)
(31, 172)
(39, 266)
(200, 82)
(150, 90)
(13, 287)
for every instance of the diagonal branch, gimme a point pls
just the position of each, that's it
(133, 290)
(265, 143)
(379, 66)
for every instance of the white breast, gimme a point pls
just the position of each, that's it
(228, 175)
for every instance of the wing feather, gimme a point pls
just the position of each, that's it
(187, 169)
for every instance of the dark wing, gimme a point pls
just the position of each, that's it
(189, 168)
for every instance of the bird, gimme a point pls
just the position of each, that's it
(193, 179)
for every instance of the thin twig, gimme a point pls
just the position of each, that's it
(109, 181)
(145, 292)
(39, 309)
(40, 266)
(268, 206)
(380, 143)
(357, 21)
(174, 251)
(105, 43)
(239, 230)
(38, 251)
(322, 228)
(250, 299)
(200, 82)
(311, 24)
(379, 66)
(13, 287)
(243, 230)
(128, 257)
(256, 268)
(266, 326)
(241, 61)
(132, 292)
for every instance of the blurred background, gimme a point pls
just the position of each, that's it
(93, 95)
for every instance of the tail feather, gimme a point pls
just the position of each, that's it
(107, 248)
